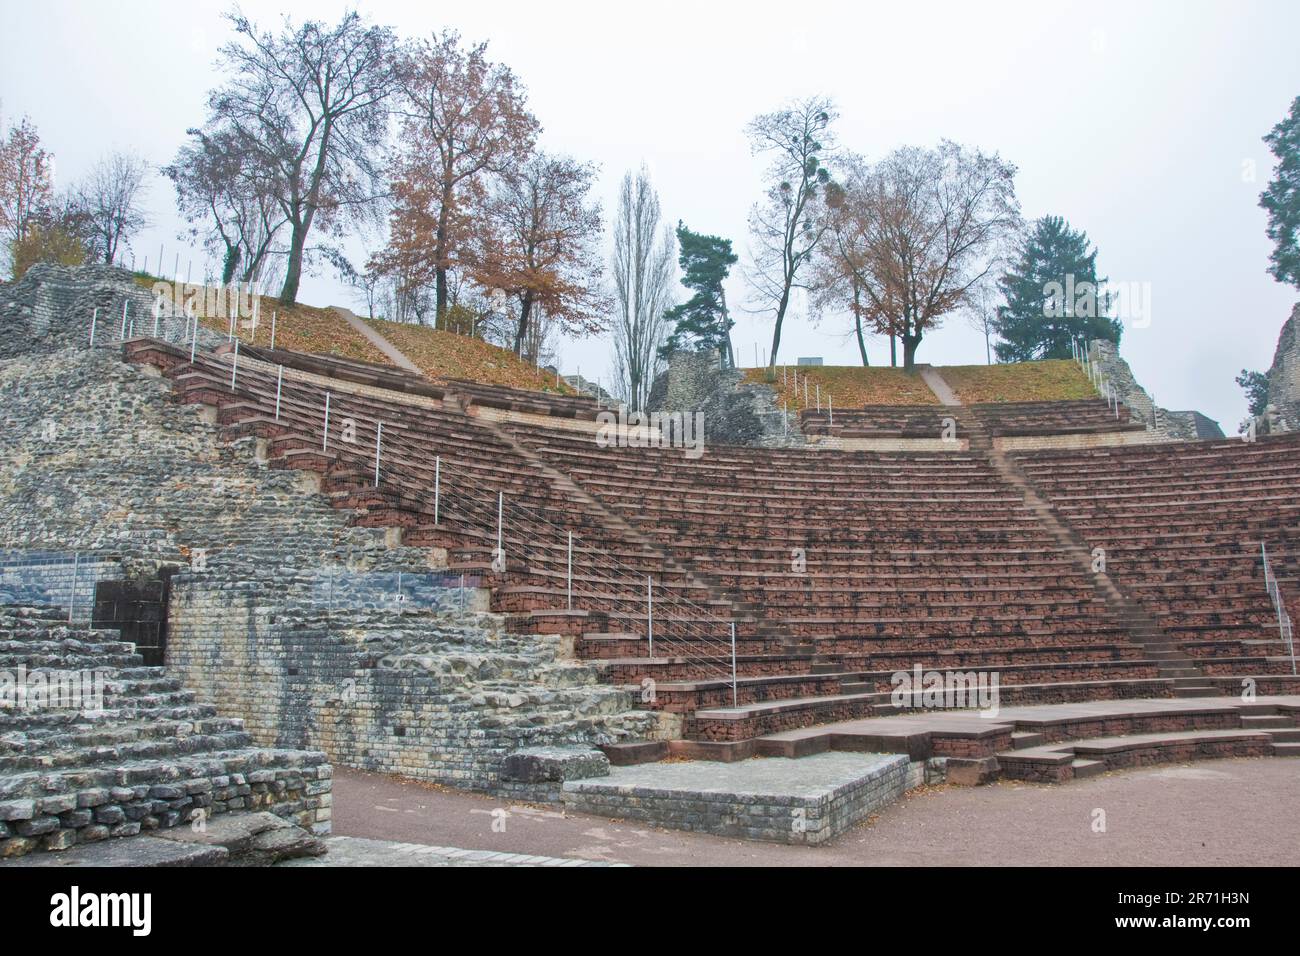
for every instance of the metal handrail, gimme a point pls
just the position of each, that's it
(1284, 626)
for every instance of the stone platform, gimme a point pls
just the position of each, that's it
(804, 802)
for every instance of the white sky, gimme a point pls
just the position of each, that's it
(1137, 121)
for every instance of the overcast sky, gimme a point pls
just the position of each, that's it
(1138, 122)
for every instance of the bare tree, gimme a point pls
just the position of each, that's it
(932, 225)
(644, 272)
(310, 104)
(982, 311)
(229, 197)
(787, 225)
(836, 278)
(111, 197)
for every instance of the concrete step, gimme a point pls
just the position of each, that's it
(1263, 721)
(1084, 767)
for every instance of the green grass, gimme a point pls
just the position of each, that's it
(1052, 380)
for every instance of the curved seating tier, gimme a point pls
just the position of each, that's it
(838, 569)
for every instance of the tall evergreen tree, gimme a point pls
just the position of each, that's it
(1282, 198)
(703, 322)
(1053, 296)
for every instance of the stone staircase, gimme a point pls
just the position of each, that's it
(125, 750)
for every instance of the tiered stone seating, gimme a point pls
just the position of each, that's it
(910, 559)
(1000, 419)
(145, 756)
(838, 569)
(1082, 416)
(525, 400)
(875, 421)
(423, 435)
(1181, 525)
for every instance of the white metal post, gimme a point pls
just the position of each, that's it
(234, 366)
(325, 434)
(125, 304)
(501, 500)
(570, 574)
(194, 339)
(830, 408)
(279, 380)
(734, 702)
(72, 594)
(818, 388)
(650, 614)
(437, 489)
(94, 317)
(379, 437)
(274, 315)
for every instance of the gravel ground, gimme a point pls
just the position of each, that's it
(1226, 812)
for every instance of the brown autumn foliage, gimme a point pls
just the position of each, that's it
(540, 245)
(462, 119)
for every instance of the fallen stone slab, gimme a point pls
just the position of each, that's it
(251, 839)
(143, 851)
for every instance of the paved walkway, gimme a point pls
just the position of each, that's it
(1243, 812)
(358, 851)
(939, 385)
(394, 354)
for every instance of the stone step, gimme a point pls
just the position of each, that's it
(1264, 721)
(90, 756)
(635, 752)
(1083, 767)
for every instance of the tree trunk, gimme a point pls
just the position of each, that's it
(525, 310)
(293, 272)
(893, 351)
(776, 332)
(230, 264)
(910, 343)
(857, 323)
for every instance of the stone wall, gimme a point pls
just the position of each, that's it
(51, 308)
(736, 412)
(1284, 375)
(95, 455)
(1165, 424)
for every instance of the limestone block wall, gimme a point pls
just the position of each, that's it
(95, 455)
(51, 307)
(1165, 424)
(439, 694)
(1284, 375)
(736, 412)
